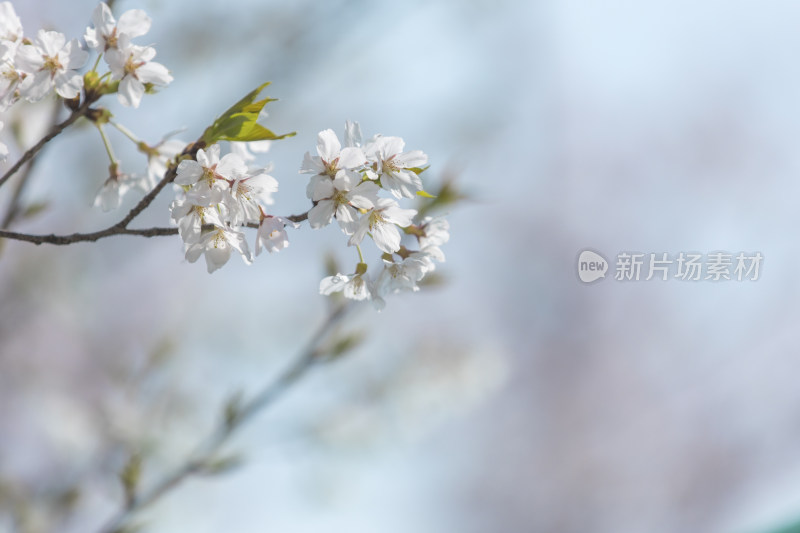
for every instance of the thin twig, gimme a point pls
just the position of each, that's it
(228, 426)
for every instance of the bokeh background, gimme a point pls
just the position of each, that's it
(511, 398)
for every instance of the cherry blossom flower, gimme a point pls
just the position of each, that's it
(51, 62)
(208, 174)
(133, 66)
(110, 195)
(393, 166)
(341, 198)
(10, 76)
(10, 25)
(382, 222)
(191, 212)
(159, 156)
(247, 194)
(217, 245)
(435, 232)
(330, 159)
(106, 31)
(355, 286)
(396, 277)
(272, 234)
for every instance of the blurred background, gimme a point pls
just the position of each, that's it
(511, 398)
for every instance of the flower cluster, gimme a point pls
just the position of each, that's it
(360, 184)
(32, 67)
(345, 185)
(217, 197)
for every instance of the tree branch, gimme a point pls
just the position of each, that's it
(116, 229)
(121, 227)
(232, 423)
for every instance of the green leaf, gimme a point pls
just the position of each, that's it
(418, 170)
(425, 194)
(239, 122)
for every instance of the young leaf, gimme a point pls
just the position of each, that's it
(239, 122)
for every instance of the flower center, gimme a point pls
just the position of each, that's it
(112, 39)
(243, 190)
(376, 219)
(52, 64)
(390, 165)
(340, 198)
(131, 66)
(219, 239)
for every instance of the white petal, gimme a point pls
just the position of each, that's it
(391, 146)
(102, 18)
(231, 166)
(399, 216)
(154, 73)
(68, 85)
(75, 55)
(188, 172)
(28, 59)
(321, 214)
(352, 134)
(51, 42)
(361, 229)
(217, 256)
(328, 145)
(333, 284)
(134, 23)
(312, 165)
(323, 189)
(35, 87)
(194, 252)
(116, 62)
(415, 158)
(130, 91)
(352, 157)
(386, 237)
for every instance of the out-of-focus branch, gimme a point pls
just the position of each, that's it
(53, 133)
(235, 418)
(14, 204)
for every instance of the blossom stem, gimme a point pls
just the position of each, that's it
(360, 257)
(125, 131)
(107, 145)
(96, 63)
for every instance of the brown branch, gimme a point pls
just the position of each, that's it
(121, 227)
(116, 229)
(62, 240)
(230, 424)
